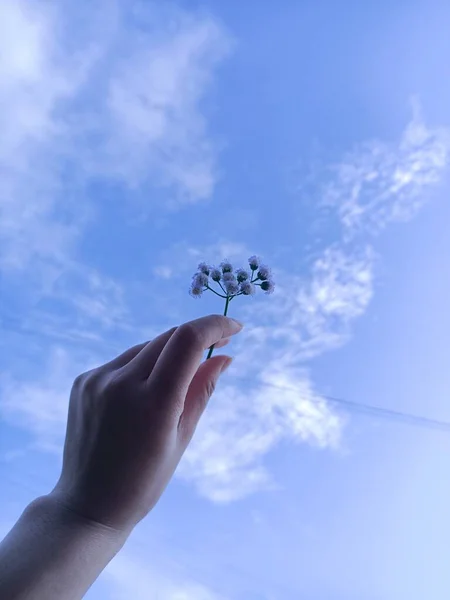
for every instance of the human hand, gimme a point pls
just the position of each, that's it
(131, 420)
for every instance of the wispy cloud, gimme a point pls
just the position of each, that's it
(107, 93)
(131, 578)
(185, 255)
(245, 421)
(37, 76)
(310, 315)
(153, 125)
(251, 415)
(378, 182)
(39, 402)
(313, 313)
(139, 118)
(116, 97)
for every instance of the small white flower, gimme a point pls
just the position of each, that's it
(200, 280)
(196, 291)
(242, 275)
(204, 268)
(268, 286)
(247, 288)
(216, 274)
(264, 272)
(231, 287)
(254, 262)
(228, 276)
(226, 266)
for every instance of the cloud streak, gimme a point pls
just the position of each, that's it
(127, 578)
(116, 98)
(379, 183)
(245, 422)
(39, 402)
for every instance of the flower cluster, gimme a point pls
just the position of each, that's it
(232, 282)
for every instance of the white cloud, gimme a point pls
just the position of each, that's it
(154, 126)
(163, 271)
(92, 300)
(376, 184)
(89, 93)
(130, 578)
(245, 421)
(250, 415)
(314, 314)
(179, 261)
(373, 186)
(39, 402)
(379, 183)
(32, 85)
(77, 303)
(111, 91)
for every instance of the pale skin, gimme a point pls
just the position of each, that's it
(129, 423)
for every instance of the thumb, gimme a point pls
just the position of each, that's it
(200, 391)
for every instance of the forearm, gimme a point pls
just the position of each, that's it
(52, 554)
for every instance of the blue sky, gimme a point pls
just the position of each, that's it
(140, 138)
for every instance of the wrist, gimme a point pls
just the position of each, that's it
(54, 554)
(52, 511)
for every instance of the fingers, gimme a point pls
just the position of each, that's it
(200, 391)
(142, 363)
(125, 357)
(222, 343)
(128, 355)
(180, 359)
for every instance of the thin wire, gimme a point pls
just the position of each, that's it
(379, 411)
(389, 413)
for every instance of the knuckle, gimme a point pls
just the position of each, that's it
(118, 385)
(87, 383)
(78, 381)
(190, 334)
(90, 383)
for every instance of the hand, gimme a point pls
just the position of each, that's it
(131, 420)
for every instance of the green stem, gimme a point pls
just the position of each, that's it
(224, 314)
(223, 289)
(214, 291)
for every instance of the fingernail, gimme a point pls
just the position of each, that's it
(226, 365)
(241, 325)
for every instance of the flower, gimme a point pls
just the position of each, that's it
(242, 275)
(204, 268)
(200, 280)
(196, 291)
(215, 274)
(231, 283)
(264, 272)
(247, 288)
(229, 276)
(254, 262)
(226, 267)
(268, 286)
(231, 287)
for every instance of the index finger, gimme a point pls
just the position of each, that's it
(180, 359)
